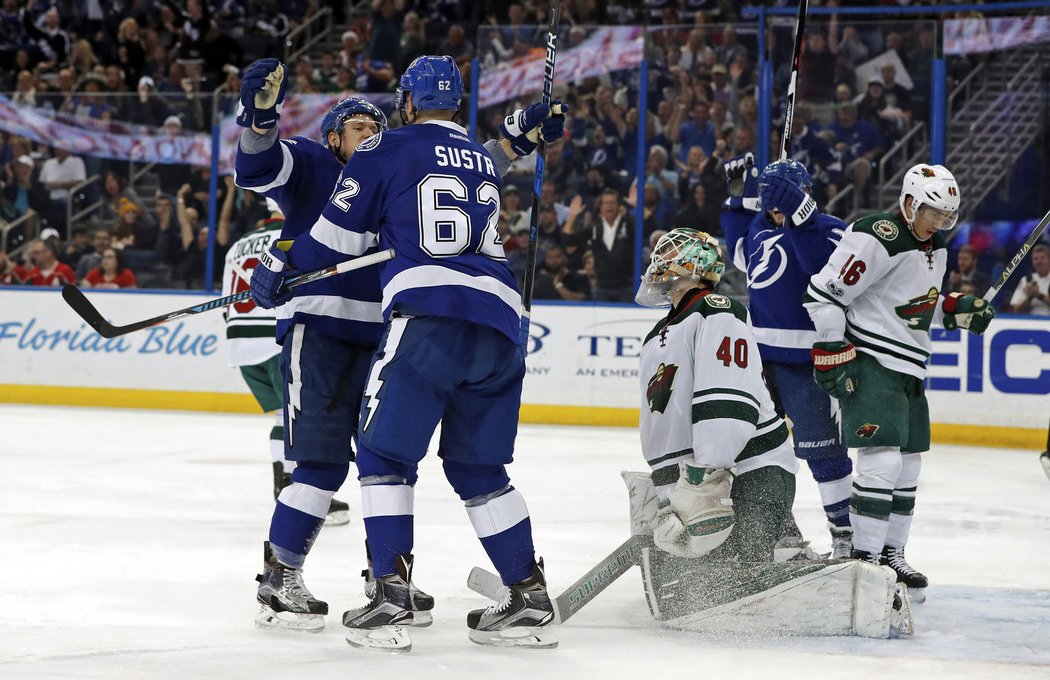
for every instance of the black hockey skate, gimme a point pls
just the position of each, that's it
(338, 511)
(378, 625)
(284, 600)
(1044, 460)
(522, 619)
(841, 542)
(865, 556)
(422, 603)
(916, 582)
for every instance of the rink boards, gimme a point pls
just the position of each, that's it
(582, 365)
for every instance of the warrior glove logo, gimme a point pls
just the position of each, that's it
(658, 394)
(867, 431)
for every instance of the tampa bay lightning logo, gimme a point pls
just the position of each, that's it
(767, 264)
(370, 143)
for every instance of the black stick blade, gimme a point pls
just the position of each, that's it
(76, 299)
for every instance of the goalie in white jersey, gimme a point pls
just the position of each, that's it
(723, 474)
(873, 305)
(722, 464)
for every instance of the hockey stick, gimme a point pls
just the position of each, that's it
(82, 306)
(580, 593)
(537, 182)
(789, 108)
(1016, 261)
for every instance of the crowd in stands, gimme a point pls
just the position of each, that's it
(156, 63)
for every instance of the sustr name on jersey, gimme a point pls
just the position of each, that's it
(468, 159)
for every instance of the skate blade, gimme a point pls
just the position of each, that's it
(302, 623)
(1044, 460)
(526, 637)
(393, 639)
(337, 518)
(420, 619)
(918, 595)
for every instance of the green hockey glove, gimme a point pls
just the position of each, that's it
(831, 367)
(968, 312)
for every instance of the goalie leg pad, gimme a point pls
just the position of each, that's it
(854, 598)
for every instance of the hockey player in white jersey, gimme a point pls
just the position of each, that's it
(873, 305)
(721, 460)
(723, 473)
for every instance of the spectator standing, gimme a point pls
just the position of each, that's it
(112, 273)
(612, 242)
(149, 109)
(21, 191)
(859, 143)
(1032, 295)
(58, 175)
(698, 214)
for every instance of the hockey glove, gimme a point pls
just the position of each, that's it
(268, 279)
(700, 515)
(968, 312)
(262, 94)
(522, 128)
(742, 183)
(780, 193)
(831, 367)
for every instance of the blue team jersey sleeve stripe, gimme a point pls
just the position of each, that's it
(283, 174)
(336, 238)
(428, 276)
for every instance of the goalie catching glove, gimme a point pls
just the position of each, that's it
(699, 514)
(262, 94)
(523, 127)
(968, 312)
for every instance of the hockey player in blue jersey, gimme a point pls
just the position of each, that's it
(328, 329)
(449, 354)
(776, 235)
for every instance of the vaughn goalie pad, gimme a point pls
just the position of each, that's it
(808, 598)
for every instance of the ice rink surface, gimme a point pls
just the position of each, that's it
(131, 538)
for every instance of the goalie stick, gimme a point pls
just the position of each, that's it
(1016, 261)
(580, 593)
(83, 307)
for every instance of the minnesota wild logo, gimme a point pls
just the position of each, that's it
(661, 384)
(867, 430)
(918, 311)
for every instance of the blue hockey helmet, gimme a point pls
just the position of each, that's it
(435, 84)
(791, 170)
(344, 109)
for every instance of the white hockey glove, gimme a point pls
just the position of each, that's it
(700, 516)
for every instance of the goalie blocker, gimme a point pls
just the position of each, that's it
(790, 598)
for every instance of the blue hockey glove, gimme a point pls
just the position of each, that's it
(262, 94)
(781, 193)
(832, 369)
(742, 183)
(968, 312)
(268, 279)
(523, 126)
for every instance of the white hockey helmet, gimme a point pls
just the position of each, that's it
(681, 255)
(931, 185)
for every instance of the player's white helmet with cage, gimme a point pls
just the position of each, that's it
(681, 256)
(931, 185)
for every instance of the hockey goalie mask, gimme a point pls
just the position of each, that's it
(934, 186)
(680, 257)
